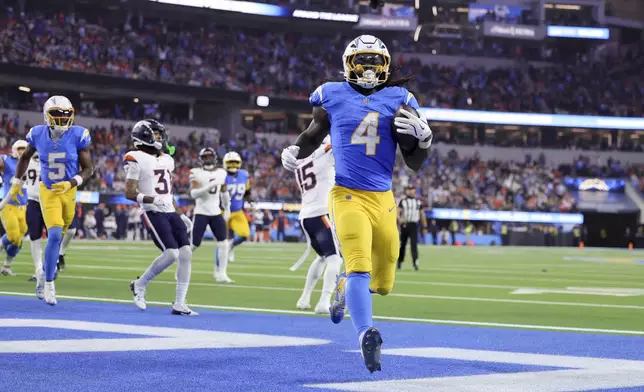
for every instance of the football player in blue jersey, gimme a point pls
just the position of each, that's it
(359, 115)
(238, 185)
(61, 147)
(13, 213)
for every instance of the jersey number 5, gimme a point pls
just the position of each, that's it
(305, 178)
(56, 162)
(163, 183)
(367, 133)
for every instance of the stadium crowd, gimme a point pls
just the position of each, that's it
(294, 64)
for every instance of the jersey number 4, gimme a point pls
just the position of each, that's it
(164, 182)
(306, 177)
(367, 133)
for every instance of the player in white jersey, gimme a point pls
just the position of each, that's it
(35, 223)
(315, 176)
(208, 188)
(149, 183)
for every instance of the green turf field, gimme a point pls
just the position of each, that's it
(606, 291)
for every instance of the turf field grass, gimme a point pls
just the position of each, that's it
(460, 284)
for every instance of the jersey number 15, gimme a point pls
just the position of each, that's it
(306, 177)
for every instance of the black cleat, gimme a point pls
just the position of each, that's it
(415, 265)
(32, 279)
(370, 347)
(61, 263)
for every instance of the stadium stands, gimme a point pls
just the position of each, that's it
(293, 65)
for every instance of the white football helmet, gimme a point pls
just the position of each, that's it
(232, 162)
(59, 114)
(366, 62)
(16, 148)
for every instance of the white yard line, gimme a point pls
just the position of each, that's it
(388, 318)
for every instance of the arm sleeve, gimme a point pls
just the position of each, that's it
(84, 141)
(30, 138)
(224, 196)
(317, 97)
(411, 101)
(132, 170)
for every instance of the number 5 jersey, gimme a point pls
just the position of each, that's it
(154, 174)
(315, 177)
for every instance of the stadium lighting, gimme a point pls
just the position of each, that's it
(417, 5)
(417, 32)
(434, 10)
(469, 101)
(262, 101)
(433, 51)
(24, 88)
(136, 100)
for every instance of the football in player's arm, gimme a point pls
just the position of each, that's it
(362, 116)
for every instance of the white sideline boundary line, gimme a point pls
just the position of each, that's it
(400, 295)
(387, 318)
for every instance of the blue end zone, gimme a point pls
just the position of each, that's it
(260, 368)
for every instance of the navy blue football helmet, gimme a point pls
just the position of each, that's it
(208, 157)
(150, 133)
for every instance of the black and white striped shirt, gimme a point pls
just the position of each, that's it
(410, 209)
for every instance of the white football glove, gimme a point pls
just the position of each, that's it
(289, 157)
(187, 222)
(158, 201)
(415, 126)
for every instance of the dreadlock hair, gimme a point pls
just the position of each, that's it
(396, 82)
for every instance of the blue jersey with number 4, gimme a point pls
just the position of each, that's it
(10, 164)
(58, 158)
(237, 186)
(362, 135)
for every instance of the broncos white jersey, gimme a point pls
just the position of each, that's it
(315, 176)
(32, 182)
(154, 174)
(208, 204)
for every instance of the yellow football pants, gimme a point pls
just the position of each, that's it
(57, 210)
(14, 221)
(238, 223)
(365, 226)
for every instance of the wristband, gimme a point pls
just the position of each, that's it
(16, 180)
(79, 180)
(139, 198)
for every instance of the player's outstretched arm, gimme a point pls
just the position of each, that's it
(312, 137)
(87, 167)
(23, 162)
(414, 159)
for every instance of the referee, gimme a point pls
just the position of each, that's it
(409, 214)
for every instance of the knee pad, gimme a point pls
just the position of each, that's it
(184, 253)
(172, 254)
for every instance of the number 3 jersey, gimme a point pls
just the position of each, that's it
(208, 204)
(314, 176)
(59, 157)
(237, 186)
(362, 134)
(154, 175)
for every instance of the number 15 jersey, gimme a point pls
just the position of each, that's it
(362, 134)
(154, 174)
(314, 176)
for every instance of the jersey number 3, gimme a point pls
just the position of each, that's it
(367, 133)
(164, 181)
(305, 178)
